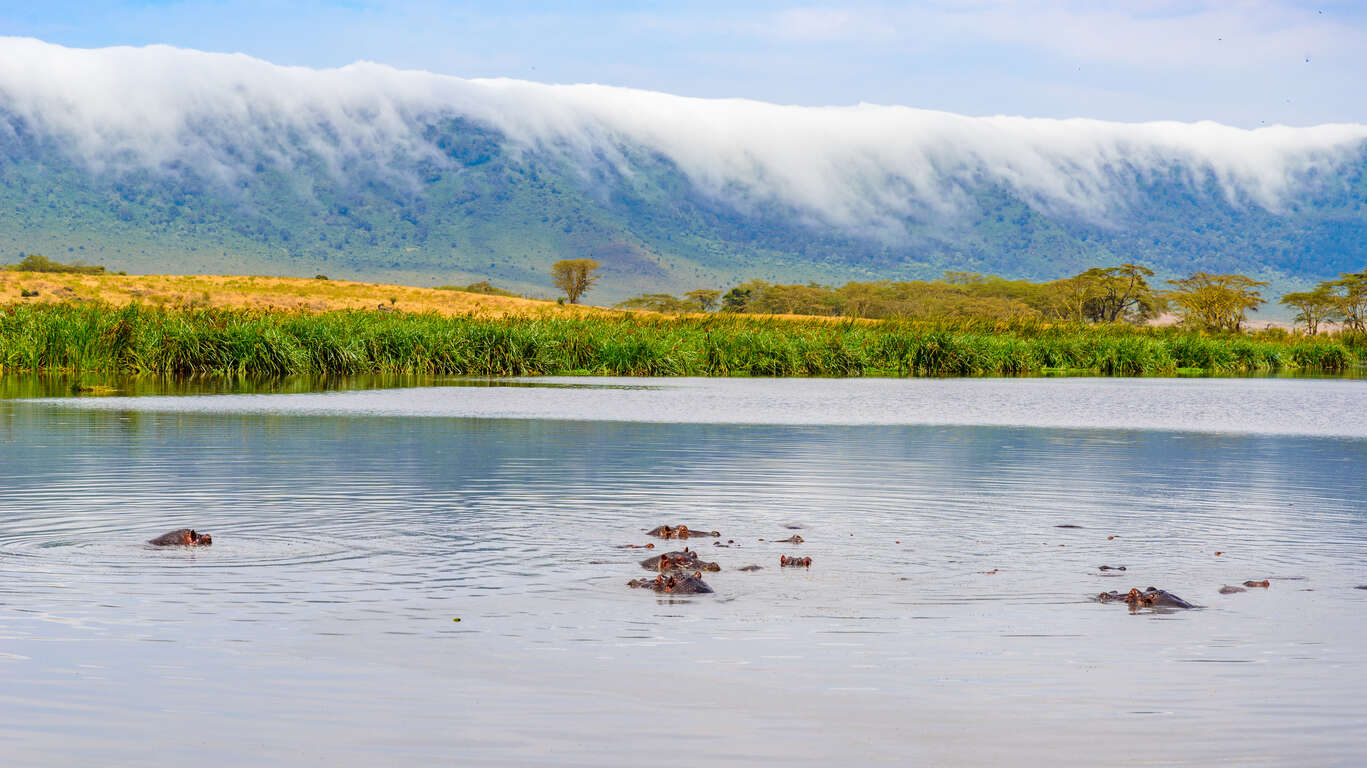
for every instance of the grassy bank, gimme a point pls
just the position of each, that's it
(145, 340)
(263, 293)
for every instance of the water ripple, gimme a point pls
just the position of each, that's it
(941, 591)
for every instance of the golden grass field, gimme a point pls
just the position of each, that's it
(277, 293)
(295, 294)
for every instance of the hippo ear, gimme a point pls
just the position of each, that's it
(697, 574)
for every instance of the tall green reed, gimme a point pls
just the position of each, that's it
(181, 342)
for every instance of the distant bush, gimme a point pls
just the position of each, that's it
(320, 277)
(659, 302)
(483, 286)
(35, 263)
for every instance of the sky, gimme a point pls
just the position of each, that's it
(1246, 63)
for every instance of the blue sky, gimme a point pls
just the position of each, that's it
(1241, 62)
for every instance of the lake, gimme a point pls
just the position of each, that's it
(945, 618)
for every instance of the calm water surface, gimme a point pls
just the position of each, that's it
(352, 527)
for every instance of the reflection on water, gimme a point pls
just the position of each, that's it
(62, 384)
(319, 627)
(1321, 407)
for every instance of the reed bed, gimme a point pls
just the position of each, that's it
(138, 339)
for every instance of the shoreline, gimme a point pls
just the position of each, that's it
(93, 337)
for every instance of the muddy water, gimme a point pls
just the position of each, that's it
(945, 619)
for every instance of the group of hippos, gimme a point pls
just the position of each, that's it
(680, 573)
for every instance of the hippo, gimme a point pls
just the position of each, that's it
(1263, 584)
(794, 562)
(1067, 525)
(674, 584)
(1110, 568)
(1361, 586)
(1149, 598)
(750, 568)
(635, 546)
(685, 560)
(185, 537)
(680, 532)
(794, 539)
(1228, 590)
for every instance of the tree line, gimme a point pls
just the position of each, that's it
(1203, 300)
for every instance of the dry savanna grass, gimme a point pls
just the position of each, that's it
(267, 293)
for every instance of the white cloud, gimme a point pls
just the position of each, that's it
(859, 166)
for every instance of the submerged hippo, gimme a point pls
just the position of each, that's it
(1264, 583)
(794, 562)
(1228, 590)
(794, 539)
(680, 532)
(1149, 598)
(674, 584)
(750, 568)
(687, 560)
(1110, 568)
(185, 537)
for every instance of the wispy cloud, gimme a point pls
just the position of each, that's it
(1154, 35)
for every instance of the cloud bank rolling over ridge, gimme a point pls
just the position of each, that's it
(864, 167)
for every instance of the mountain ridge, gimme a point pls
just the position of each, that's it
(372, 173)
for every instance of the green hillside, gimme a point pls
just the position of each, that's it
(476, 210)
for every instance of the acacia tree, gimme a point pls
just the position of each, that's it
(1216, 302)
(1314, 307)
(861, 298)
(1351, 298)
(1121, 293)
(575, 277)
(738, 299)
(1073, 296)
(705, 298)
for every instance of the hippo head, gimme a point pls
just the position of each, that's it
(197, 539)
(1138, 599)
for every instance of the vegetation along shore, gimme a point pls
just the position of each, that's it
(73, 318)
(135, 338)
